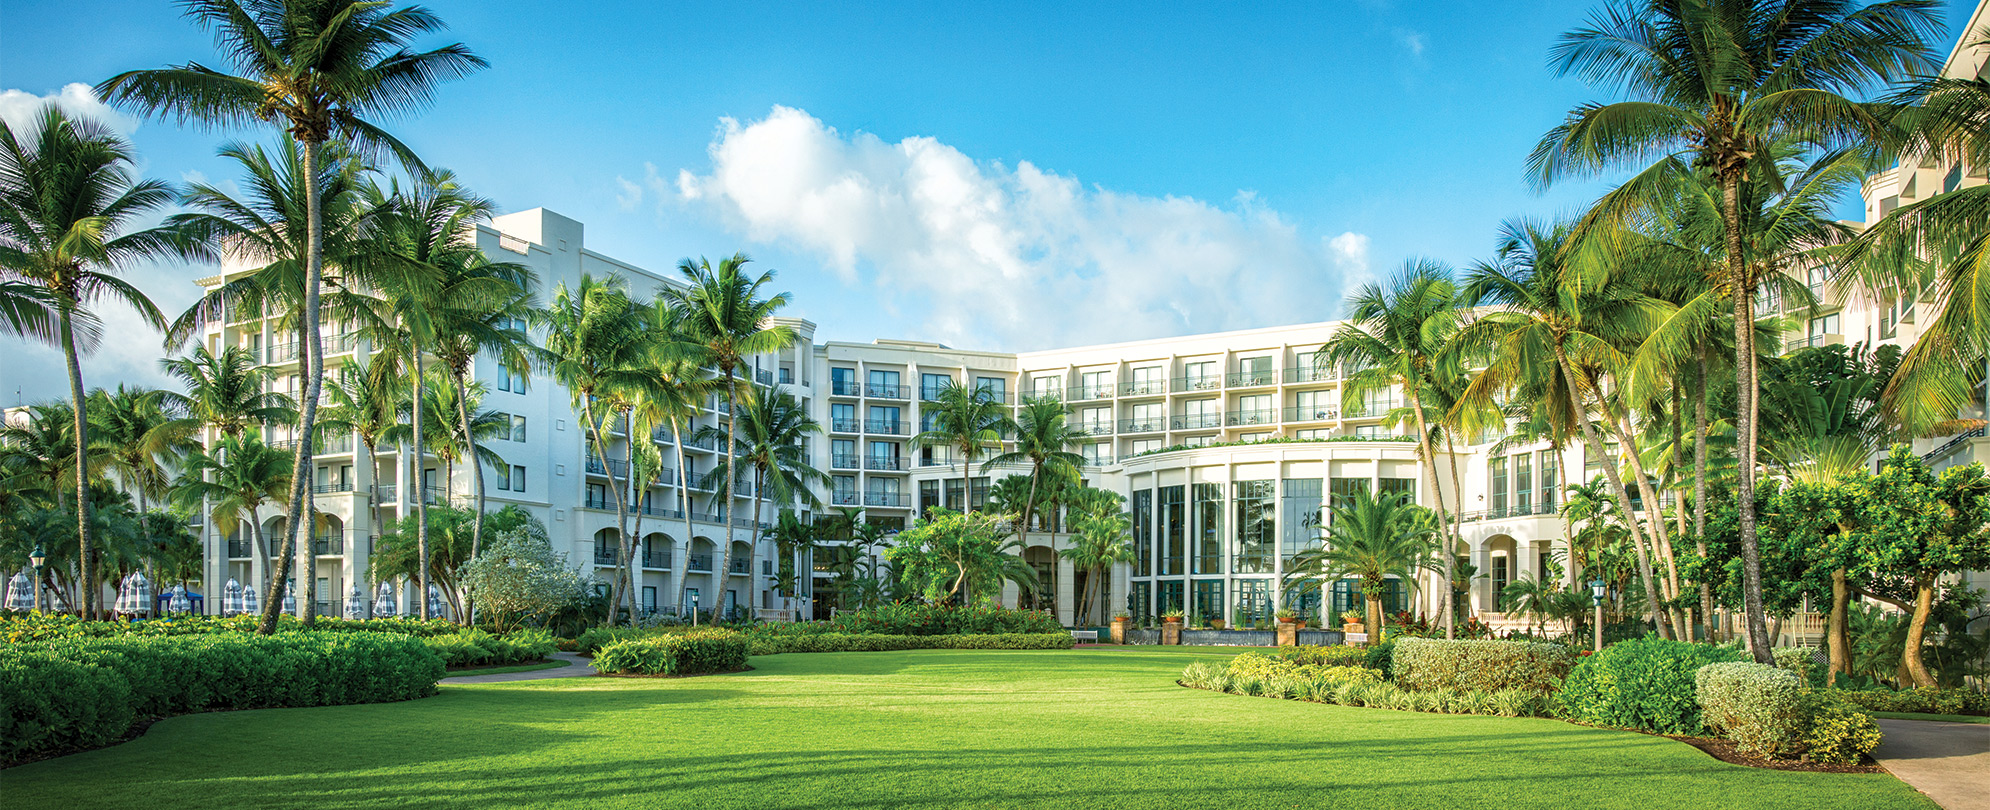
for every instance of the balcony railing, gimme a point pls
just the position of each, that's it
(328, 542)
(1949, 446)
(619, 466)
(1308, 373)
(930, 393)
(1096, 428)
(763, 376)
(240, 548)
(1380, 407)
(888, 463)
(894, 499)
(699, 562)
(281, 353)
(332, 487)
(656, 556)
(1265, 416)
(741, 566)
(1316, 413)
(844, 497)
(391, 493)
(1078, 393)
(1141, 388)
(607, 555)
(880, 391)
(845, 426)
(1209, 382)
(1252, 379)
(1150, 424)
(1196, 421)
(845, 388)
(1813, 341)
(884, 427)
(845, 461)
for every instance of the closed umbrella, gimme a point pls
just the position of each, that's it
(21, 592)
(383, 606)
(290, 596)
(355, 605)
(434, 602)
(134, 595)
(231, 598)
(251, 603)
(180, 603)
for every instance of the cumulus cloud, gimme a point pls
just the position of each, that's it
(1012, 257)
(18, 107)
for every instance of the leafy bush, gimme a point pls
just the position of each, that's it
(1332, 656)
(1381, 657)
(879, 642)
(1926, 700)
(593, 639)
(688, 653)
(1645, 684)
(1800, 660)
(1356, 686)
(1424, 663)
(1836, 732)
(81, 692)
(1760, 708)
(1260, 665)
(48, 626)
(938, 620)
(475, 647)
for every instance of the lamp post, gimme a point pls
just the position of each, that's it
(37, 557)
(1596, 591)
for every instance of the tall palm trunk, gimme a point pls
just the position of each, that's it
(1457, 519)
(307, 585)
(1594, 439)
(420, 487)
(476, 464)
(725, 490)
(1700, 489)
(87, 600)
(314, 369)
(759, 484)
(621, 503)
(1661, 538)
(625, 567)
(683, 565)
(1437, 488)
(1744, 421)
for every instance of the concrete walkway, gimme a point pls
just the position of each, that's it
(576, 667)
(1948, 761)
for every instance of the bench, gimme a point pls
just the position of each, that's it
(1084, 636)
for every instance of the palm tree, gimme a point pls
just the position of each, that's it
(969, 421)
(1370, 538)
(38, 454)
(601, 347)
(1099, 540)
(1717, 82)
(773, 432)
(225, 392)
(319, 69)
(26, 309)
(1044, 436)
(1403, 335)
(69, 199)
(674, 398)
(722, 314)
(365, 399)
(140, 437)
(234, 478)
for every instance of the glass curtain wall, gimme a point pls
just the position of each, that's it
(1174, 531)
(1209, 529)
(1143, 533)
(1257, 526)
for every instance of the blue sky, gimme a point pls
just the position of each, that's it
(999, 176)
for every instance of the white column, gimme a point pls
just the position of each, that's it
(1065, 599)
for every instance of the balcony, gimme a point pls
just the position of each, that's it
(1316, 413)
(1081, 393)
(740, 565)
(1265, 416)
(930, 393)
(331, 487)
(1196, 421)
(340, 344)
(390, 493)
(620, 467)
(885, 427)
(878, 391)
(240, 549)
(328, 542)
(843, 497)
(1096, 428)
(887, 463)
(699, 562)
(1149, 424)
(1143, 388)
(1210, 382)
(763, 376)
(845, 461)
(656, 555)
(898, 500)
(607, 555)
(652, 510)
(281, 353)
(1308, 373)
(1814, 341)
(1372, 410)
(845, 388)
(1252, 379)
(845, 426)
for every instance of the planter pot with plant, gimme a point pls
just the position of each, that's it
(1215, 624)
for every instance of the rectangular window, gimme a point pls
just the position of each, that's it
(1095, 421)
(1496, 468)
(930, 385)
(843, 417)
(1342, 490)
(1309, 366)
(1147, 380)
(1171, 597)
(1551, 481)
(787, 376)
(1208, 600)
(649, 598)
(1208, 528)
(517, 478)
(929, 495)
(1146, 418)
(1312, 433)
(1299, 516)
(1405, 487)
(597, 497)
(1254, 370)
(883, 419)
(1143, 532)
(1523, 483)
(1094, 385)
(1144, 446)
(1371, 432)
(1200, 376)
(882, 383)
(1174, 530)
(1254, 601)
(1097, 454)
(517, 428)
(502, 475)
(1140, 601)
(1257, 526)
(1052, 387)
(843, 382)
(997, 388)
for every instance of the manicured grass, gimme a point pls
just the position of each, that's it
(1946, 718)
(928, 728)
(458, 673)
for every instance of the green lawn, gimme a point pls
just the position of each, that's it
(464, 673)
(929, 728)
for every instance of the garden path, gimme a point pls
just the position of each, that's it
(576, 667)
(1948, 761)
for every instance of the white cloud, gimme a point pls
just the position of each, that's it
(1412, 41)
(18, 107)
(1017, 257)
(630, 196)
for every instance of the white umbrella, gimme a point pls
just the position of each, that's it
(290, 596)
(355, 605)
(231, 599)
(20, 592)
(250, 602)
(134, 594)
(383, 606)
(180, 603)
(434, 602)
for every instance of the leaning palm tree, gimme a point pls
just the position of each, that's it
(1402, 334)
(674, 399)
(1716, 82)
(319, 69)
(969, 421)
(233, 480)
(1044, 438)
(69, 199)
(364, 399)
(773, 432)
(225, 392)
(1371, 538)
(725, 318)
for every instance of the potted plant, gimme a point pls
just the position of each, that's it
(1351, 621)
(1172, 617)
(1216, 623)
(1286, 616)
(1171, 627)
(1120, 622)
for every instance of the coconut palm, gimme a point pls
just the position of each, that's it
(319, 69)
(1044, 438)
(1370, 538)
(1717, 82)
(140, 438)
(233, 479)
(225, 392)
(773, 432)
(1402, 334)
(27, 310)
(69, 201)
(38, 454)
(968, 421)
(365, 399)
(724, 317)
(1101, 537)
(674, 398)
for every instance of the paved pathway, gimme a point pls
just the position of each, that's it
(1948, 761)
(576, 666)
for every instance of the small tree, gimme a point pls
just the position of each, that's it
(517, 577)
(1911, 524)
(954, 555)
(1099, 538)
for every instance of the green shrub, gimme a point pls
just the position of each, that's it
(50, 704)
(688, 653)
(1761, 708)
(1428, 663)
(878, 642)
(1645, 684)
(935, 620)
(1380, 657)
(1800, 660)
(593, 639)
(1835, 732)
(1926, 700)
(49, 627)
(1261, 675)
(1329, 656)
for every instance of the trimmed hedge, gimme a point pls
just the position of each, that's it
(1366, 689)
(936, 620)
(78, 693)
(1760, 708)
(880, 642)
(1471, 666)
(477, 648)
(1645, 684)
(32, 627)
(692, 652)
(1924, 700)
(1329, 656)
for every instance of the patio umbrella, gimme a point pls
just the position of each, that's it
(134, 594)
(180, 603)
(231, 598)
(355, 605)
(20, 592)
(290, 596)
(250, 602)
(383, 606)
(434, 602)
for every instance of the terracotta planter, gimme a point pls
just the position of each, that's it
(1215, 624)
(1288, 633)
(1171, 631)
(1119, 627)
